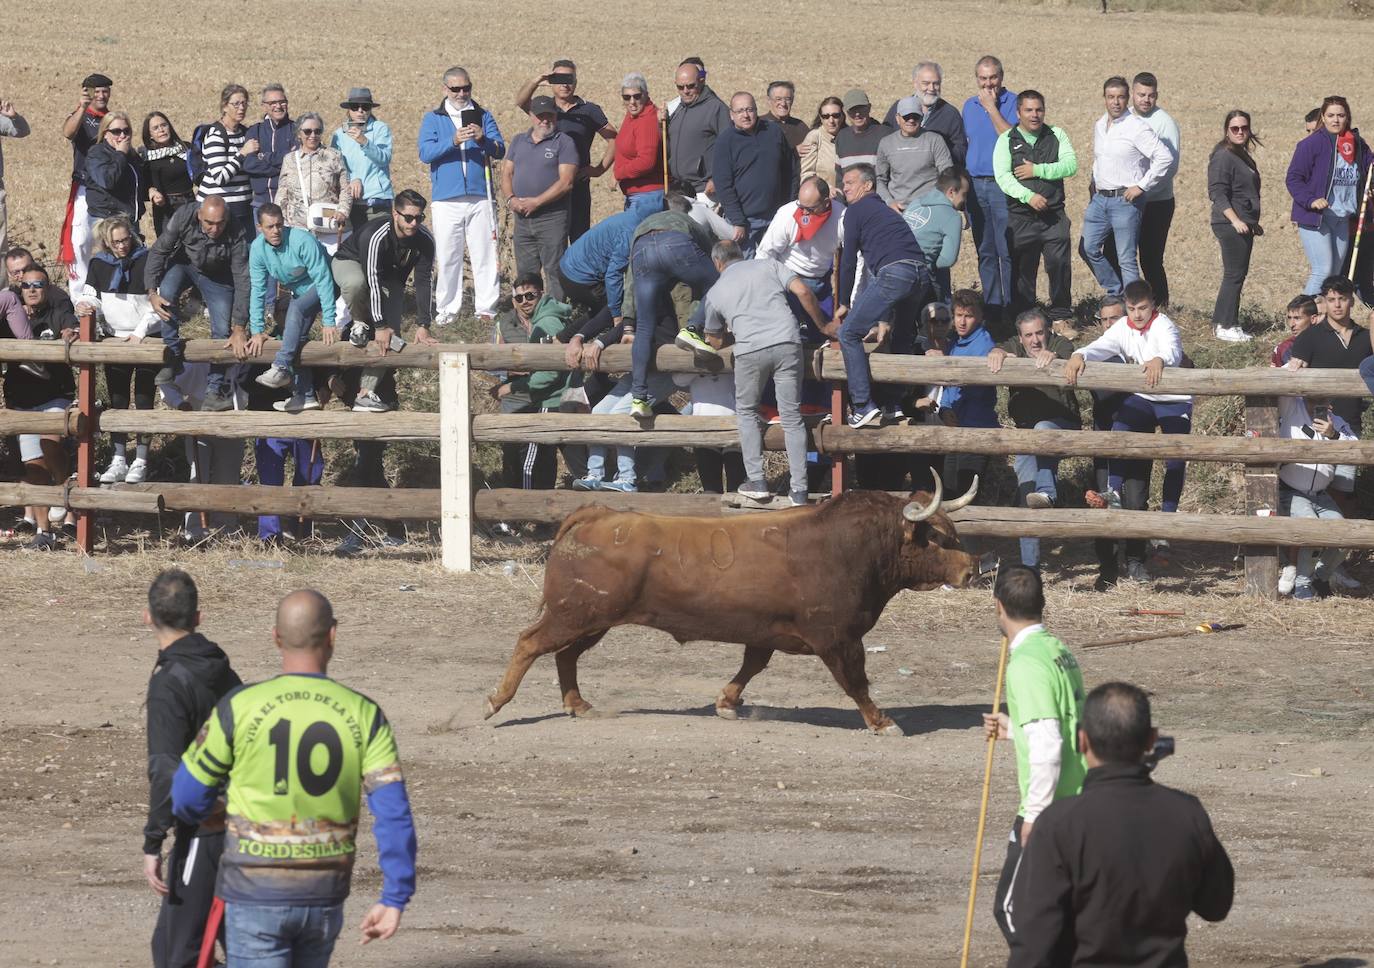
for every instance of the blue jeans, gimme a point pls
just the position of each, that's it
(300, 316)
(281, 936)
(987, 212)
(1323, 507)
(270, 453)
(219, 303)
(893, 295)
(1325, 248)
(1138, 415)
(1367, 373)
(660, 261)
(653, 458)
(1037, 474)
(1121, 219)
(753, 236)
(646, 201)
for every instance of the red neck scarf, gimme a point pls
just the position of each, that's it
(1148, 323)
(810, 223)
(1345, 146)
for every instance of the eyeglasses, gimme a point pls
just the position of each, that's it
(33, 285)
(689, 87)
(814, 209)
(119, 132)
(412, 219)
(275, 104)
(524, 296)
(911, 118)
(311, 132)
(459, 88)
(238, 104)
(632, 97)
(126, 240)
(831, 117)
(744, 110)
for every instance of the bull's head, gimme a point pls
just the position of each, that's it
(931, 553)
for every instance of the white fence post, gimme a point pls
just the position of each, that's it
(455, 462)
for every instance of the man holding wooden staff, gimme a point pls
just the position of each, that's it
(1044, 705)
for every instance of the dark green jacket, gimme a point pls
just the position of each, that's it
(1029, 405)
(543, 388)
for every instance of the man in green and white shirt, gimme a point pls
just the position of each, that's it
(1044, 704)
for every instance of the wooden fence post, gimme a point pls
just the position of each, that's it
(85, 436)
(455, 462)
(1261, 497)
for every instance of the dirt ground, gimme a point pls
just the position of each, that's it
(663, 835)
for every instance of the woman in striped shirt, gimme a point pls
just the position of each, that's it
(223, 147)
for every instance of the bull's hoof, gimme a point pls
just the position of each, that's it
(490, 710)
(891, 729)
(580, 708)
(728, 712)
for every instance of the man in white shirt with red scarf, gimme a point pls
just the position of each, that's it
(804, 236)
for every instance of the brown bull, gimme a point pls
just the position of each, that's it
(806, 581)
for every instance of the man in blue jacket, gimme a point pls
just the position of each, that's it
(294, 259)
(755, 171)
(967, 406)
(459, 140)
(593, 272)
(275, 135)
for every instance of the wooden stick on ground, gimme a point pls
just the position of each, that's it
(983, 810)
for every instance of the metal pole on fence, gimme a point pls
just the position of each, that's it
(1262, 498)
(85, 437)
(455, 462)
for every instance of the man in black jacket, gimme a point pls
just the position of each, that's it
(191, 675)
(1111, 875)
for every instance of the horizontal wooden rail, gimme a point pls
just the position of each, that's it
(52, 424)
(327, 424)
(343, 502)
(673, 431)
(828, 365)
(1071, 524)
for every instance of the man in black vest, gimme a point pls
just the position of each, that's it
(1030, 162)
(190, 677)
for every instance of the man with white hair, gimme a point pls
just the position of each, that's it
(459, 140)
(939, 116)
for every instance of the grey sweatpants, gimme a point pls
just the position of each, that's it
(539, 243)
(352, 283)
(783, 363)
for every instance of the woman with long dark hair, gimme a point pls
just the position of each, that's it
(1326, 178)
(164, 154)
(820, 160)
(1233, 185)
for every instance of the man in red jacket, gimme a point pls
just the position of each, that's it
(639, 148)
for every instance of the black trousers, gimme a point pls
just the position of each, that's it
(1235, 266)
(180, 926)
(526, 465)
(1154, 236)
(1030, 238)
(721, 471)
(1001, 901)
(119, 378)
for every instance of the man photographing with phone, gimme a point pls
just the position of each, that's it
(1304, 489)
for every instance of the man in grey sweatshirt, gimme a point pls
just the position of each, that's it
(910, 159)
(692, 128)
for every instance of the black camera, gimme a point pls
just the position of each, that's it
(1164, 746)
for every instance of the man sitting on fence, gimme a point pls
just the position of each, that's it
(966, 406)
(1147, 337)
(1037, 408)
(750, 299)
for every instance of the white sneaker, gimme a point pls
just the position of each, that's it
(138, 472)
(116, 473)
(57, 515)
(275, 377)
(1341, 578)
(444, 319)
(1233, 334)
(1287, 578)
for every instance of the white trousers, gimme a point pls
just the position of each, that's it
(458, 224)
(81, 244)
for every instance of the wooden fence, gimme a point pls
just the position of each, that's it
(1259, 450)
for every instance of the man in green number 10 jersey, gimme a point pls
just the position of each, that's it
(297, 751)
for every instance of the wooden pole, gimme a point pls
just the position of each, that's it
(85, 439)
(312, 424)
(983, 809)
(1262, 494)
(455, 462)
(1359, 224)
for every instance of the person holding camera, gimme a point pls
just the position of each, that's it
(365, 143)
(1112, 874)
(1044, 706)
(315, 192)
(1303, 489)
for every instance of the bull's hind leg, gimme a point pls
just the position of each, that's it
(566, 658)
(845, 660)
(541, 638)
(755, 659)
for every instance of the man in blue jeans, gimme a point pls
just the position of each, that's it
(986, 115)
(888, 306)
(1128, 160)
(1037, 408)
(202, 247)
(295, 260)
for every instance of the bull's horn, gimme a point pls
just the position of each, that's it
(913, 512)
(963, 500)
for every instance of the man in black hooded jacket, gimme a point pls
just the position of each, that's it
(191, 675)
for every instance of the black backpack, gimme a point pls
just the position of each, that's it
(195, 155)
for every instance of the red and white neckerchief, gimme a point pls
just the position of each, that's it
(1142, 330)
(1345, 146)
(809, 224)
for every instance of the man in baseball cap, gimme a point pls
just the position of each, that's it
(857, 144)
(911, 158)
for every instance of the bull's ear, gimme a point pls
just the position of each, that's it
(917, 533)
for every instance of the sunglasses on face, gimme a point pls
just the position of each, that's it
(1239, 129)
(460, 88)
(118, 132)
(412, 219)
(689, 87)
(831, 117)
(632, 97)
(525, 296)
(357, 107)
(33, 285)
(311, 132)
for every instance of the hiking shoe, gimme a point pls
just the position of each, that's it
(641, 408)
(275, 377)
(43, 541)
(168, 373)
(297, 402)
(138, 472)
(366, 402)
(1039, 501)
(864, 417)
(587, 484)
(800, 499)
(690, 339)
(624, 487)
(1320, 586)
(217, 402)
(1304, 593)
(116, 472)
(755, 491)
(893, 414)
(1103, 499)
(1288, 577)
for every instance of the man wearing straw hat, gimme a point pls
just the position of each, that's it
(1044, 706)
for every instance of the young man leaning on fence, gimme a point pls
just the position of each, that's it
(1303, 490)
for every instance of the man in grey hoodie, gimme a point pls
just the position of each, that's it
(910, 159)
(692, 129)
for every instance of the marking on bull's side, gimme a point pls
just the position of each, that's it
(722, 549)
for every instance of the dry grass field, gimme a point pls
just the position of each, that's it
(663, 836)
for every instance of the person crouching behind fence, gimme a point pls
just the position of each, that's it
(532, 318)
(1147, 337)
(750, 300)
(1303, 489)
(115, 289)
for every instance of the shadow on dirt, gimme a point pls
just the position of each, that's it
(914, 720)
